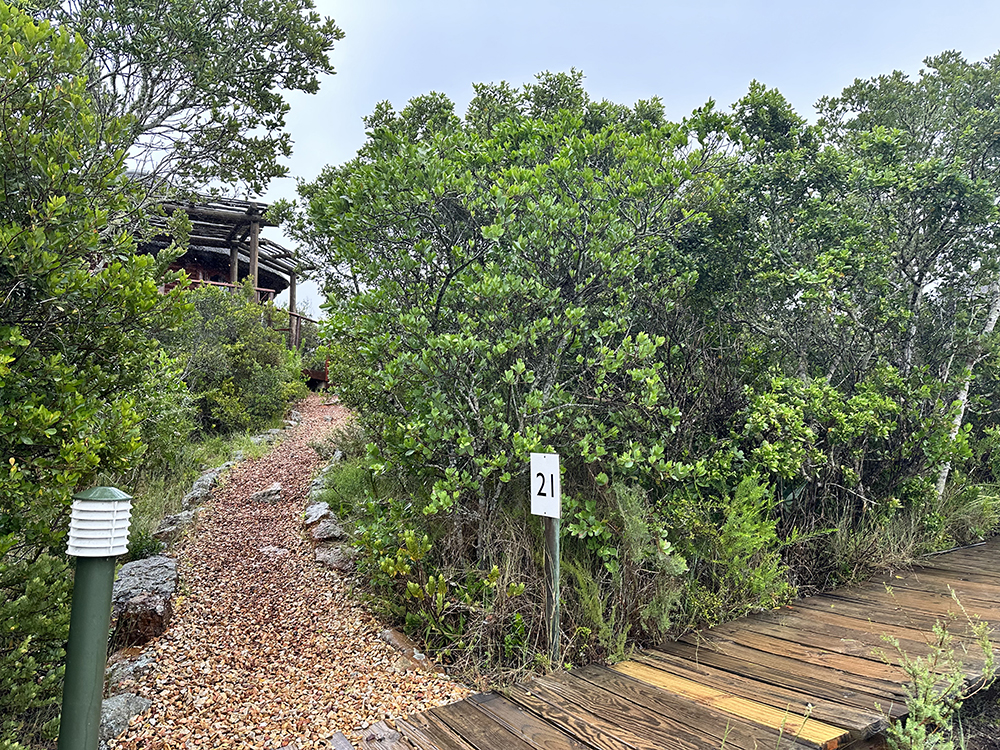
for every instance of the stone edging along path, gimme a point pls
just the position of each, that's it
(267, 648)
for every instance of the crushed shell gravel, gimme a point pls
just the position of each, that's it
(270, 650)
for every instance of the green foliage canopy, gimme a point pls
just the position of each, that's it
(200, 83)
(77, 362)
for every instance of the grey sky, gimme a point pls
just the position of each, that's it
(683, 52)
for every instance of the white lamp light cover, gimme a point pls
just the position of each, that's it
(99, 528)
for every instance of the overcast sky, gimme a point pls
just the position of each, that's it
(683, 52)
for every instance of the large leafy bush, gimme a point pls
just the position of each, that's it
(76, 351)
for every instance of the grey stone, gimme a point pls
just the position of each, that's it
(142, 618)
(326, 530)
(339, 557)
(141, 599)
(266, 437)
(271, 495)
(272, 551)
(172, 527)
(157, 574)
(116, 713)
(126, 671)
(316, 513)
(194, 499)
(295, 416)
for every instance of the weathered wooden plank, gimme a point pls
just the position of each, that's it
(789, 677)
(381, 736)
(585, 726)
(819, 634)
(530, 728)
(940, 606)
(970, 593)
(854, 635)
(983, 570)
(795, 649)
(340, 742)
(752, 723)
(428, 733)
(640, 728)
(477, 729)
(862, 723)
(785, 665)
(891, 614)
(983, 593)
(988, 579)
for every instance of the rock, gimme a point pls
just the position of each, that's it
(124, 672)
(295, 416)
(116, 713)
(142, 618)
(207, 481)
(141, 605)
(157, 574)
(327, 530)
(266, 437)
(272, 551)
(380, 735)
(410, 658)
(289, 424)
(339, 557)
(172, 527)
(271, 495)
(316, 513)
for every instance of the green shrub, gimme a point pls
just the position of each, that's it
(240, 374)
(938, 686)
(77, 316)
(736, 560)
(34, 626)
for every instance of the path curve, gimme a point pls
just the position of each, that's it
(269, 650)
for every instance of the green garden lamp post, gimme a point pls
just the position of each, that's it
(98, 533)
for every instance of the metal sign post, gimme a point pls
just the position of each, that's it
(546, 496)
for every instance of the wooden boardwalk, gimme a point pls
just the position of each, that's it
(803, 676)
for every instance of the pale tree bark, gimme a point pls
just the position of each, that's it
(963, 394)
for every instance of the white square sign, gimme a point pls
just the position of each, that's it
(545, 487)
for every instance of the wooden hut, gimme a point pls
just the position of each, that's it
(226, 248)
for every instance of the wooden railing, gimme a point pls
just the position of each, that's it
(263, 294)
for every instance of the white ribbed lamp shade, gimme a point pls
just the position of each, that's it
(99, 521)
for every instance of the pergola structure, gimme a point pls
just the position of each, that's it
(226, 247)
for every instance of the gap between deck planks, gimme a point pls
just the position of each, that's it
(815, 674)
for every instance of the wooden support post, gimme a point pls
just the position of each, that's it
(293, 321)
(234, 264)
(254, 251)
(552, 588)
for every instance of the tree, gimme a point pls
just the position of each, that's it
(935, 140)
(77, 362)
(200, 83)
(530, 278)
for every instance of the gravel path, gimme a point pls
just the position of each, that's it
(268, 650)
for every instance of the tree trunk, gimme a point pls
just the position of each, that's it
(963, 394)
